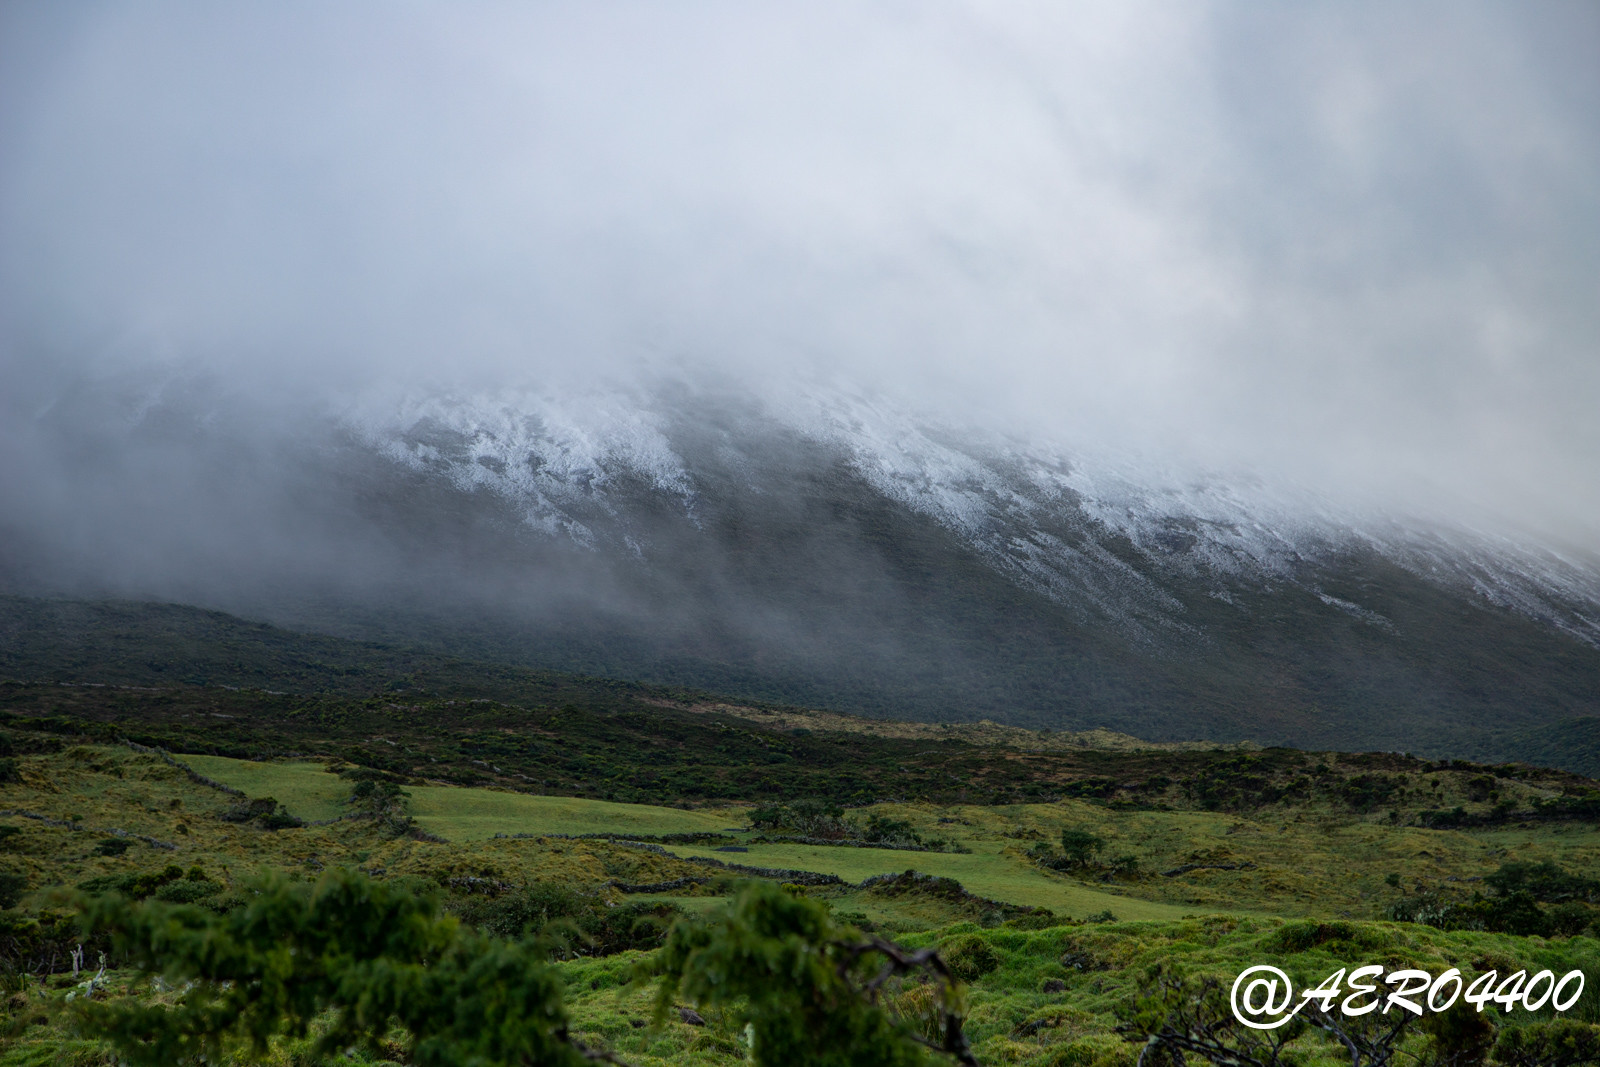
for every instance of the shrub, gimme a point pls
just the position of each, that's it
(265, 812)
(969, 957)
(1306, 933)
(1460, 1035)
(806, 988)
(1545, 881)
(187, 891)
(1079, 847)
(807, 818)
(1126, 866)
(356, 955)
(881, 828)
(280, 820)
(574, 924)
(12, 886)
(137, 885)
(1560, 1043)
(1571, 918)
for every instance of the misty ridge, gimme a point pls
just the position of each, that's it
(814, 546)
(1077, 368)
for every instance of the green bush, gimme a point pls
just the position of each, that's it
(187, 891)
(136, 884)
(1561, 1043)
(806, 818)
(806, 987)
(366, 960)
(1307, 933)
(1571, 918)
(1544, 881)
(12, 886)
(882, 829)
(358, 956)
(969, 957)
(1080, 847)
(577, 924)
(264, 812)
(1102, 1050)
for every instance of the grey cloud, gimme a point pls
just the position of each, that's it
(1357, 243)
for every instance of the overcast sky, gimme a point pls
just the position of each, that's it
(1361, 241)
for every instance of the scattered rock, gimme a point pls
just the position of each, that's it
(1031, 1029)
(1082, 961)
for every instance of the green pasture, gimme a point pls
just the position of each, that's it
(459, 813)
(467, 814)
(304, 788)
(985, 872)
(1302, 863)
(462, 814)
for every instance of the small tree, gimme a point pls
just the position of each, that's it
(1080, 846)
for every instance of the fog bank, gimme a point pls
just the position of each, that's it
(1357, 245)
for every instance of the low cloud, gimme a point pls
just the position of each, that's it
(1357, 245)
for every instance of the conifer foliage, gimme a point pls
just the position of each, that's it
(374, 955)
(358, 962)
(810, 992)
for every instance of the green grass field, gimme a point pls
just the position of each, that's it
(985, 872)
(1310, 863)
(304, 788)
(465, 814)
(459, 813)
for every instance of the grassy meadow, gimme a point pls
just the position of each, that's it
(1303, 862)
(1273, 872)
(457, 813)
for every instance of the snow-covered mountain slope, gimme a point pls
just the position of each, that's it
(815, 546)
(1096, 533)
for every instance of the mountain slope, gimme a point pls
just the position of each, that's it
(818, 548)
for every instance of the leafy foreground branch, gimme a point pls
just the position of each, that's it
(362, 959)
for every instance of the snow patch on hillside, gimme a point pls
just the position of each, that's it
(1100, 533)
(564, 462)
